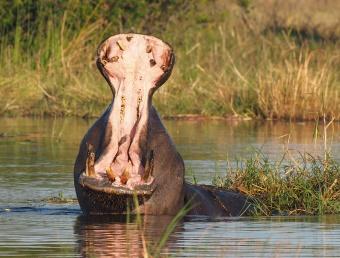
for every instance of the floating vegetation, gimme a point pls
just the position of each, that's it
(60, 199)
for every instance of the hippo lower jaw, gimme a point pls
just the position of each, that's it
(106, 186)
(134, 66)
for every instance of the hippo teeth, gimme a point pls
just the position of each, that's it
(110, 174)
(126, 179)
(90, 160)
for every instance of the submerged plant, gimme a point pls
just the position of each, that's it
(308, 185)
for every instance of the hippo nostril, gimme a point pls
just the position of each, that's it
(152, 62)
(128, 38)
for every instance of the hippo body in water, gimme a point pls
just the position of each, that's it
(127, 161)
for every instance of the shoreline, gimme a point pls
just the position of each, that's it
(184, 117)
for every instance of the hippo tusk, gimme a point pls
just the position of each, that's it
(90, 161)
(110, 174)
(125, 177)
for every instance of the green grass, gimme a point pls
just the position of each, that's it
(307, 185)
(234, 58)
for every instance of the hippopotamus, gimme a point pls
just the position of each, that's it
(127, 161)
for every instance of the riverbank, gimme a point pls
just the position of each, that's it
(248, 59)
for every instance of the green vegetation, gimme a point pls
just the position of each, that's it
(154, 249)
(60, 199)
(234, 58)
(308, 185)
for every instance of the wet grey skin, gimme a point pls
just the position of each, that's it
(127, 156)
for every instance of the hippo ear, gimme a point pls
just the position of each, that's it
(168, 70)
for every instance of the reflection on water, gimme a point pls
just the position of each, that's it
(207, 145)
(36, 162)
(30, 232)
(115, 237)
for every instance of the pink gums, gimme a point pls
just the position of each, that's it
(133, 64)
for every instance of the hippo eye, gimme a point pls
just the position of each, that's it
(152, 62)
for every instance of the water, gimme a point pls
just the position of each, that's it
(36, 162)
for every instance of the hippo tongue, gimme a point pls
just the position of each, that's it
(135, 66)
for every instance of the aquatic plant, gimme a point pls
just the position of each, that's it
(59, 199)
(151, 249)
(306, 185)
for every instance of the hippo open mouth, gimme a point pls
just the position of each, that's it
(127, 162)
(134, 66)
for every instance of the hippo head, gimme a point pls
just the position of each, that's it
(122, 163)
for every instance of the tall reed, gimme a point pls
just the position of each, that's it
(228, 62)
(296, 184)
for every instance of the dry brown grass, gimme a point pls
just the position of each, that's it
(313, 18)
(258, 60)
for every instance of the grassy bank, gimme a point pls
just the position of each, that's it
(234, 58)
(308, 186)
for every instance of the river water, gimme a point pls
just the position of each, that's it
(36, 162)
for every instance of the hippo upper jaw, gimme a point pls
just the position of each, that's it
(134, 66)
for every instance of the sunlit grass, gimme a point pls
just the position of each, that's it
(228, 64)
(303, 184)
(307, 185)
